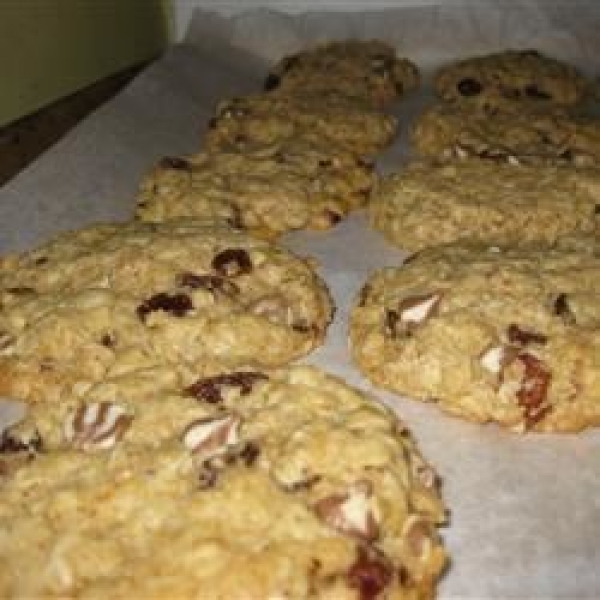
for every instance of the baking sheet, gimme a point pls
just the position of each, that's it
(525, 510)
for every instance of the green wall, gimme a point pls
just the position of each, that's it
(51, 48)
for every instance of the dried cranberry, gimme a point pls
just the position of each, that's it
(232, 262)
(534, 389)
(369, 574)
(210, 389)
(176, 304)
(469, 87)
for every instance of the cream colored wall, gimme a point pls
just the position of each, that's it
(51, 48)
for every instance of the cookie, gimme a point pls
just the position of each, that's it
(297, 487)
(270, 189)
(489, 333)
(511, 80)
(425, 205)
(110, 299)
(449, 132)
(367, 70)
(326, 119)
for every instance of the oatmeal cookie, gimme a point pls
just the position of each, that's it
(114, 298)
(511, 80)
(326, 119)
(367, 70)
(296, 486)
(489, 333)
(448, 132)
(425, 205)
(270, 189)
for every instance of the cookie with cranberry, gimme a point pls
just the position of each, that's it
(425, 205)
(489, 333)
(511, 80)
(114, 298)
(270, 189)
(326, 119)
(292, 484)
(368, 70)
(448, 132)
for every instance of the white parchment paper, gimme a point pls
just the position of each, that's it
(525, 511)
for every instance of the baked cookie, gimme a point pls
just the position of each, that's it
(366, 70)
(110, 299)
(326, 119)
(297, 487)
(448, 132)
(425, 205)
(511, 80)
(510, 335)
(271, 189)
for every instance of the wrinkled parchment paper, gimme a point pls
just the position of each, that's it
(525, 510)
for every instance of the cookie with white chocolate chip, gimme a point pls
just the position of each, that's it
(425, 205)
(289, 485)
(447, 133)
(270, 189)
(502, 334)
(368, 70)
(116, 298)
(327, 119)
(511, 80)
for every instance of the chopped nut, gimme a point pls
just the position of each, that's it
(351, 512)
(212, 436)
(210, 389)
(97, 426)
(232, 262)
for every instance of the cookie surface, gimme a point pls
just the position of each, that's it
(425, 205)
(367, 70)
(298, 487)
(448, 132)
(115, 298)
(271, 189)
(510, 80)
(489, 333)
(325, 119)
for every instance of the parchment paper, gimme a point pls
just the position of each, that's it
(525, 510)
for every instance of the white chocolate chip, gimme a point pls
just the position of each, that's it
(212, 436)
(351, 513)
(415, 309)
(97, 426)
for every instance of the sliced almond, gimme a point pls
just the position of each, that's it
(97, 426)
(212, 436)
(351, 513)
